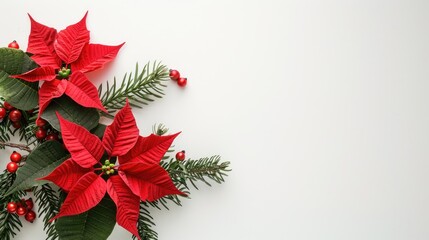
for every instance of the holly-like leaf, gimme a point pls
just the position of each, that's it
(127, 203)
(84, 195)
(38, 74)
(67, 174)
(95, 224)
(40, 162)
(83, 92)
(41, 45)
(148, 149)
(122, 134)
(70, 110)
(20, 94)
(85, 148)
(71, 40)
(95, 56)
(149, 181)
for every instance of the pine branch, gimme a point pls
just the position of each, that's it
(145, 224)
(49, 205)
(9, 222)
(140, 88)
(203, 169)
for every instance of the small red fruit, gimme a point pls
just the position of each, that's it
(30, 216)
(174, 74)
(40, 133)
(180, 156)
(15, 157)
(15, 115)
(11, 207)
(182, 82)
(29, 203)
(40, 122)
(51, 136)
(3, 113)
(13, 44)
(16, 125)
(21, 211)
(12, 167)
(8, 106)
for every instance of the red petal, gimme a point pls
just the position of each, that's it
(84, 195)
(71, 40)
(67, 174)
(127, 203)
(148, 149)
(49, 91)
(83, 92)
(46, 73)
(122, 134)
(85, 148)
(94, 56)
(41, 45)
(149, 181)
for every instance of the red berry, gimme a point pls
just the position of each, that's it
(30, 216)
(180, 156)
(15, 115)
(174, 74)
(40, 133)
(15, 157)
(182, 82)
(12, 167)
(29, 203)
(3, 113)
(21, 210)
(13, 44)
(40, 122)
(11, 207)
(8, 106)
(16, 125)
(51, 136)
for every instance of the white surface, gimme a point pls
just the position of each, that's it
(321, 107)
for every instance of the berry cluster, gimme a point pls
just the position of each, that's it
(14, 115)
(45, 132)
(22, 207)
(15, 159)
(175, 76)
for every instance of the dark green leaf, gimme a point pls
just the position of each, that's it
(20, 94)
(41, 161)
(99, 130)
(95, 224)
(70, 110)
(15, 61)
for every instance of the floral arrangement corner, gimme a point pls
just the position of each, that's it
(84, 174)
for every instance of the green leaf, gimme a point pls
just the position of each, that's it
(15, 61)
(95, 224)
(99, 130)
(41, 161)
(19, 93)
(70, 110)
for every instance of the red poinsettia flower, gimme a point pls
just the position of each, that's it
(137, 174)
(63, 58)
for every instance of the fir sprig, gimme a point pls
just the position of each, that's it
(202, 170)
(145, 224)
(9, 222)
(49, 205)
(139, 88)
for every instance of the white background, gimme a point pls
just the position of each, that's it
(321, 106)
